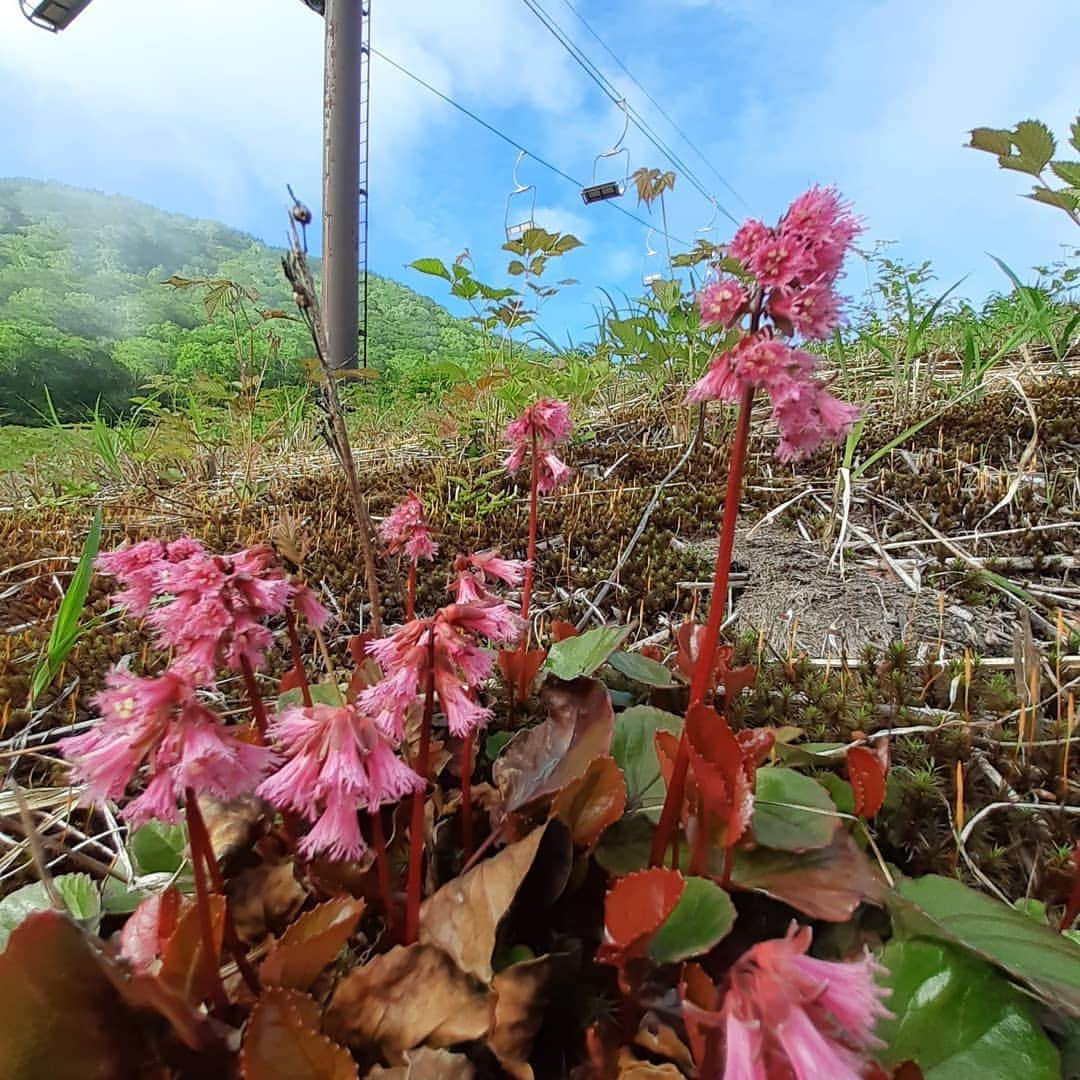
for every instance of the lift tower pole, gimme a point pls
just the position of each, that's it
(344, 187)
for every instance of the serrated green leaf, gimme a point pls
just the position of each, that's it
(1063, 200)
(1069, 171)
(1035, 142)
(703, 916)
(991, 1033)
(566, 243)
(321, 694)
(641, 669)
(158, 848)
(634, 751)
(582, 655)
(1020, 163)
(1074, 135)
(780, 820)
(78, 892)
(515, 267)
(992, 140)
(118, 899)
(433, 267)
(946, 909)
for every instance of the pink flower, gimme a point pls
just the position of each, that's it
(447, 648)
(787, 1014)
(218, 605)
(336, 760)
(160, 722)
(139, 567)
(542, 425)
(406, 530)
(779, 261)
(766, 361)
(812, 311)
(748, 238)
(807, 416)
(473, 572)
(822, 224)
(722, 302)
(719, 383)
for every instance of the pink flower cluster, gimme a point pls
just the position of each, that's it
(787, 1014)
(447, 647)
(539, 428)
(406, 530)
(790, 273)
(336, 759)
(160, 722)
(209, 609)
(474, 572)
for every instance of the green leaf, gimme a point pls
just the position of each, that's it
(494, 743)
(321, 694)
(515, 267)
(703, 916)
(1074, 135)
(779, 820)
(641, 669)
(65, 628)
(1069, 171)
(990, 1033)
(582, 655)
(536, 265)
(434, 267)
(634, 751)
(78, 892)
(625, 846)
(118, 899)
(158, 848)
(1035, 142)
(566, 243)
(1019, 163)
(1063, 200)
(944, 908)
(992, 140)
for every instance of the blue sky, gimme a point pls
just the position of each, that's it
(209, 107)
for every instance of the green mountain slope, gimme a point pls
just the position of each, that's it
(83, 309)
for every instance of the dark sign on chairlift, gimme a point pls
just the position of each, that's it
(601, 191)
(514, 205)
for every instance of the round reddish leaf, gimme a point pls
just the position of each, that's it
(637, 905)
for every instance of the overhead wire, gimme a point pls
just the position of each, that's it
(652, 101)
(517, 145)
(601, 80)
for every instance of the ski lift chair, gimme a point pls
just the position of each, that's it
(517, 223)
(53, 15)
(601, 191)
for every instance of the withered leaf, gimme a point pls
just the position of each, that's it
(522, 993)
(263, 899)
(282, 1041)
(539, 762)
(463, 917)
(410, 995)
(827, 883)
(589, 804)
(311, 943)
(660, 1040)
(631, 1068)
(234, 825)
(183, 969)
(426, 1064)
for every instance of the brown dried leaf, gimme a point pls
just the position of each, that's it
(311, 943)
(410, 995)
(522, 993)
(425, 1064)
(827, 883)
(183, 969)
(660, 1040)
(233, 826)
(540, 762)
(282, 1041)
(630, 1068)
(588, 805)
(263, 899)
(463, 917)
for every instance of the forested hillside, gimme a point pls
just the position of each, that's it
(83, 307)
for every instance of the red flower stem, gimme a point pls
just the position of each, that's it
(382, 866)
(699, 856)
(530, 555)
(297, 658)
(416, 827)
(410, 593)
(200, 837)
(699, 684)
(218, 997)
(466, 795)
(257, 709)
